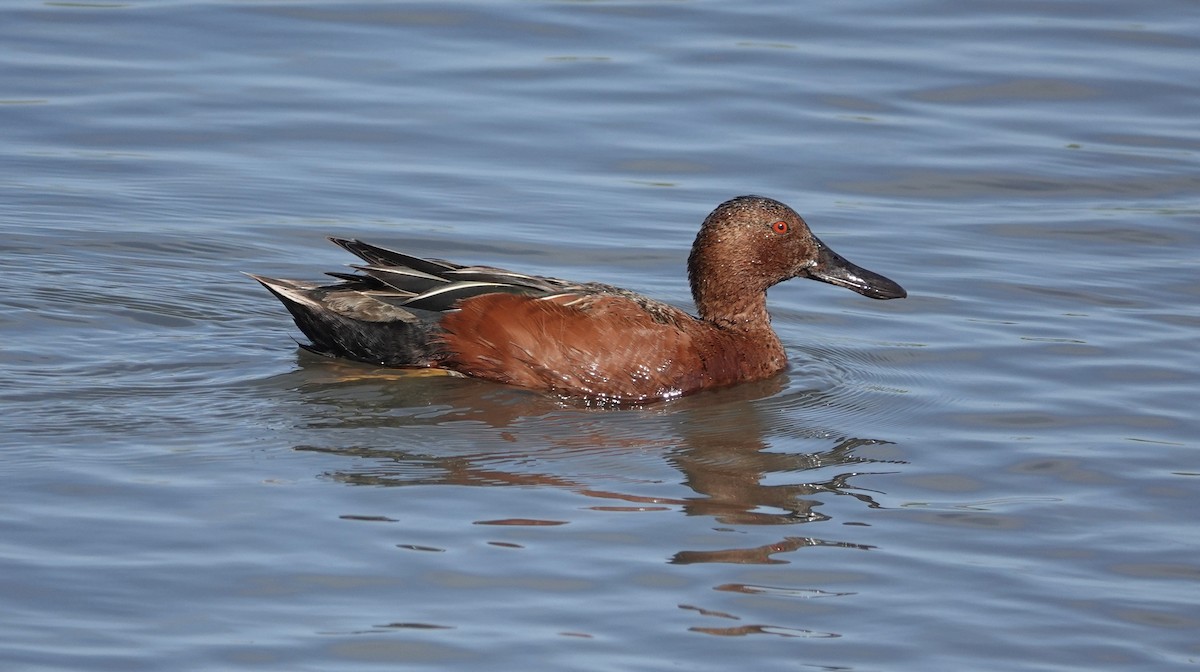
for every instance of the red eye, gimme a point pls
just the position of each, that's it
(780, 227)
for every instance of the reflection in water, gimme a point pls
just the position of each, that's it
(728, 473)
(763, 630)
(759, 555)
(721, 443)
(807, 593)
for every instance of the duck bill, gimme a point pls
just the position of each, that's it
(833, 268)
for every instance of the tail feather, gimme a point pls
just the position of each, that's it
(356, 325)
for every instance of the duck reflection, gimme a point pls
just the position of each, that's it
(723, 443)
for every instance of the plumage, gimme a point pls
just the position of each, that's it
(582, 340)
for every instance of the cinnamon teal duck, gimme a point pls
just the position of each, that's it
(578, 339)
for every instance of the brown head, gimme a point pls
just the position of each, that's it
(750, 243)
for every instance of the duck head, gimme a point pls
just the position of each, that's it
(750, 243)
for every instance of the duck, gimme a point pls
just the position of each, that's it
(578, 340)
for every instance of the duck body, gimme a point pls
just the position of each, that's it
(578, 340)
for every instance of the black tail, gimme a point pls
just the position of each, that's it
(344, 322)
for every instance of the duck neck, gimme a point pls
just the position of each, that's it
(732, 308)
(726, 297)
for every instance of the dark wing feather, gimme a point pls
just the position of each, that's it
(447, 297)
(381, 256)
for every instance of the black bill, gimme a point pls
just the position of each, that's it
(833, 268)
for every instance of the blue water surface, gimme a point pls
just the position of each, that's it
(996, 473)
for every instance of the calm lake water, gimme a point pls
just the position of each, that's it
(1001, 472)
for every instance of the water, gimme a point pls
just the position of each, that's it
(999, 472)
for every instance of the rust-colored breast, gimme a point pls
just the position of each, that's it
(605, 347)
